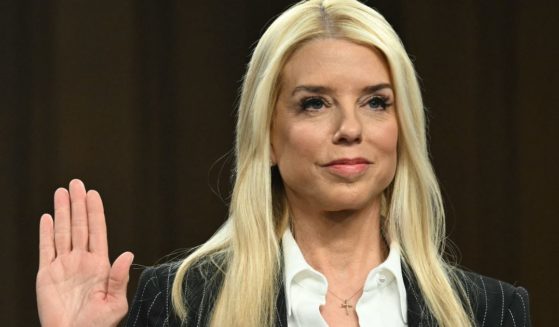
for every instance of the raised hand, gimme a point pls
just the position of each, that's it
(76, 284)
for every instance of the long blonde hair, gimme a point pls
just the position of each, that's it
(249, 242)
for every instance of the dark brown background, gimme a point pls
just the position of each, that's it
(138, 98)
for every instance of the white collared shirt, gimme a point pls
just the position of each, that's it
(383, 302)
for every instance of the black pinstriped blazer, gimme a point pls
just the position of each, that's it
(495, 303)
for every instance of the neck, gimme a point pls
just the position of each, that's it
(343, 245)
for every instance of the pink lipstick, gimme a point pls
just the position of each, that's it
(348, 167)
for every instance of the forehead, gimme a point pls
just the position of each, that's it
(336, 61)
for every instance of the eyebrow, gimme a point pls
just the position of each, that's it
(325, 89)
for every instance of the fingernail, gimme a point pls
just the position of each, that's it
(78, 181)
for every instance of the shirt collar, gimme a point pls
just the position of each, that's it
(393, 265)
(295, 263)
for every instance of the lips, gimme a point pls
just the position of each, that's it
(348, 167)
(347, 161)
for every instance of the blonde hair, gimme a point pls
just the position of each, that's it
(249, 242)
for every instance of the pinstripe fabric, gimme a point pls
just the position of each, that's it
(494, 303)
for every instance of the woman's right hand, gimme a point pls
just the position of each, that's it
(76, 284)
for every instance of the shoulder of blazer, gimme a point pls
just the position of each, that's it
(493, 302)
(152, 305)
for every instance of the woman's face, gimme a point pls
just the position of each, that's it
(334, 131)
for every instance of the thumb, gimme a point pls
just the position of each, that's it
(119, 275)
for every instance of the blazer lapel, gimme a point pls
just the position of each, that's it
(281, 310)
(418, 314)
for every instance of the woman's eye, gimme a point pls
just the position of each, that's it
(378, 102)
(312, 104)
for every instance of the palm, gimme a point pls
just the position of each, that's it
(76, 285)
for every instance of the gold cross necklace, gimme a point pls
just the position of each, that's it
(345, 305)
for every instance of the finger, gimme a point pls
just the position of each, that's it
(79, 215)
(96, 223)
(46, 240)
(119, 275)
(62, 236)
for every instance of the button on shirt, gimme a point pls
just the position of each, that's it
(383, 302)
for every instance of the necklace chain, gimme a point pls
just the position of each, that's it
(345, 305)
(349, 298)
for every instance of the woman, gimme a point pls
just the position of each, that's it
(336, 216)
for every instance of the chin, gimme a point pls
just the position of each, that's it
(349, 202)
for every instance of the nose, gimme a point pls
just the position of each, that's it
(349, 127)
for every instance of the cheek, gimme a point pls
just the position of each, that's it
(390, 145)
(386, 138)
(386, 146)
(299, 142)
